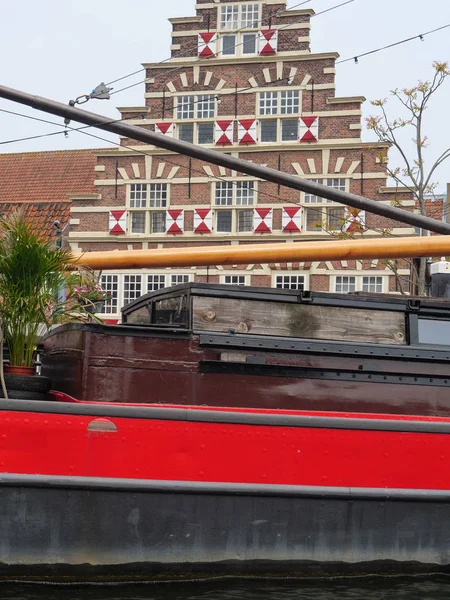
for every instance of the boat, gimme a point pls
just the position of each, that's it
(234, 431)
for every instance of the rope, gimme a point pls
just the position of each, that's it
(2, 375)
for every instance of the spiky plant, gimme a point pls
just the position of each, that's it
(32, 272)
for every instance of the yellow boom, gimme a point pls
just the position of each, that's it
(267, 253)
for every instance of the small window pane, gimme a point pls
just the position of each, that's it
(223, 221)
(185, 107)
(186, 132)
(234, 280)
(155, 282)
(345, 285)
(138, 222)
(206, 133)
(434, 332)
(244, 193)
(229, 17)
(289, 130)
(224, 193)
(249, 43)
(290, 282)
(314, 218)
(269, 131)
(138, 195)
(289, 102)
(268, 103)
(245, 220)
(229, 45)
(158, 222)
(249, 16)
(110, 285)
(311, 198)
(158, 195)
(206, 107)
(372, 284)
(335, 218)
(132, 288)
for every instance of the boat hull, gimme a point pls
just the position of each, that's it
(90, 490)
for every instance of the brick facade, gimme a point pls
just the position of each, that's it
(282, 98)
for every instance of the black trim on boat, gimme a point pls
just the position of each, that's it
(235, 418)
(201, 487)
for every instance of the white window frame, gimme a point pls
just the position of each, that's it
(238, 16)
(289, 276)
(279, 103)
(179, 278)
(359, 282)
(321, 207)
(110, 283)
(138, 194)
(137, 281)
(157, 201)
(198, 102)
(240, 43)
(156, 281)
(235, 279)
(236, 189)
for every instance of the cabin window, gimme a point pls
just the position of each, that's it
(171, 311)
(434, 331)
(141, 316)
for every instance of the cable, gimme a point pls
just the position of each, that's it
(202, 173)
(416, 37)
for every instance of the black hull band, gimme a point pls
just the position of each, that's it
(157, 533)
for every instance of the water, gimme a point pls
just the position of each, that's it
(413, 588)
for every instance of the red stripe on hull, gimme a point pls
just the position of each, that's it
(51, 444)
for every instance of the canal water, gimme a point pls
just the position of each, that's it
(417, 588)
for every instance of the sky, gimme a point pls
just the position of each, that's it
(62, 49)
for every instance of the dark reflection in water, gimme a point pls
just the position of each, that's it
(343, 589)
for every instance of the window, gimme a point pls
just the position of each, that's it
(185, 107)
(132, 288)
(224, 219)
(186, 132)
(290, 282)
(279, 103)
(244, 221)
(110, 284)
(138, 195)
(155, 282)
(345, 285)
(269, 130)
(245, 16)
(229, 45)
(224, 193)
(235, 280)
(372, 284)
(326, 215)
(206, 107)
(138, 222)
(244, 193)
(249, 43)
(158, 195)
(178, 279)
(158, 222)
(205, 133)
(433, 331)
(289, 130)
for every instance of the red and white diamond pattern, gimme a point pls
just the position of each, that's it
(224, 133)
(263, 219)
(175, 222)
(117, 222)
(291, 219)
(207, 44)
(165, 128)
(268, 42)
(247, 131)
(202, 220)
(309, 129)
(355, 220)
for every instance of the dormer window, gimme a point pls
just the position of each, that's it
(244, 16)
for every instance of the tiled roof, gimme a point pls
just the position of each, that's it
(42, 214)
(46, 176)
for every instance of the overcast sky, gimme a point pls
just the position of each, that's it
(61, 49)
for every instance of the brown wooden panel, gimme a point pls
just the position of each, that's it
(299, 320)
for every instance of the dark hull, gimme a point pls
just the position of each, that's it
(90, 529)
(139, 365)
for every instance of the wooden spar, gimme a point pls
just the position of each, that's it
(224, 160)
(410, 247)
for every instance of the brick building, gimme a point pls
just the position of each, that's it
(242, 80)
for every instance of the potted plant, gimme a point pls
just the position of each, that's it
(34, 277)
(86, 291)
